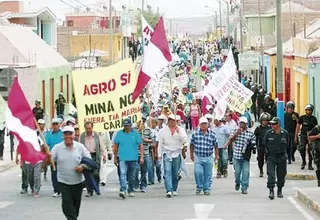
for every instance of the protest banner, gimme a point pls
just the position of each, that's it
(104, 96)
(181, 81)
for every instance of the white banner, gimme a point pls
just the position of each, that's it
(181, 81)
(147, 31)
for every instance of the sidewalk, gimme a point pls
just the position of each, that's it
(311, 198)
(6, 163)
(294, 171)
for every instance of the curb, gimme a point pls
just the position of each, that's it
(7, 166)
(300, 176)
(306, 200)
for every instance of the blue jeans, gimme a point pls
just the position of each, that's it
(171, 172)
(127, 168)
(242, 171)
(151, 166)
(203, 172)
(143, 173)
(54, 179)
(223, 161)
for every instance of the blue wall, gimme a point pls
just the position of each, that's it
(47, 33)
(314, 85)
(266, 64)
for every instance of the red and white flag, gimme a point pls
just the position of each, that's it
(157, 56)
(20, 122)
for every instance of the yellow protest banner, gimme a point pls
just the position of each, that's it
(104, 96)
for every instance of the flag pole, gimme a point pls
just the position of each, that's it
(150, 121)
(46, 148)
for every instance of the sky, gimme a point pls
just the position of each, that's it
(170, 8)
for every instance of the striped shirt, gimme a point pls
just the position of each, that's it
(204, 144)
(147, 134)
(241, 141)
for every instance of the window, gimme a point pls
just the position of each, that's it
(51, 98)
(70, 23)
(43, 94)
(61, 83)
(67, 86)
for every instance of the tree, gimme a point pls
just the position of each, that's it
(151, 17)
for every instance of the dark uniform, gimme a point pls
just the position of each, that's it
(254, 102)
(290, 125)
(315, 145)
(260, 133)
(260, 100)
(276, 145)
(268, 107)
(308, 122)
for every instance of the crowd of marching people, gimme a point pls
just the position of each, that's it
(155, 148)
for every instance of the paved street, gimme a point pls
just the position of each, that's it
(224, 202)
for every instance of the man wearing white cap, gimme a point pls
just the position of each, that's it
(202, 148)
(68, 155)
(172, 140)
(42, 126)
(244, 142)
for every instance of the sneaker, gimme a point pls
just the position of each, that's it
(24, 191)
(103, 183)
(244, 191)
(237, 187)
(169, 194)
(143, 190)
(207, 193)
(55, 194)
(174, 193)
(122, 195)
(36, 195)
(131, 194)
(33, 192)
(198, 192)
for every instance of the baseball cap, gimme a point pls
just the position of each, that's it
(56, 121)
(203, 120)
(172, 116)
(68, 129)
(72, 120)
(127, 122)
(275, 120)
(41, 121)
(243, 119)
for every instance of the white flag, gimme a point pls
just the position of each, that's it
(3, 109)
(72, 110)
(147, 31)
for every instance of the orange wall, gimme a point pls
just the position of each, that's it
(11, 6)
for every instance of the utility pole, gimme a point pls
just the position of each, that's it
(241, 11)
(228, 24)
(142, 6)
(280, 103)
(110, 33)
(220, 11)
(261, 47)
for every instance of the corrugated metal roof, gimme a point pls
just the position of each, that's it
(292, 7)
(32, 47)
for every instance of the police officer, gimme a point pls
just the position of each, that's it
(268, 104)
(308, 122)
(314, 137)
(291, 119)
(277, 140)
(260, 133)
